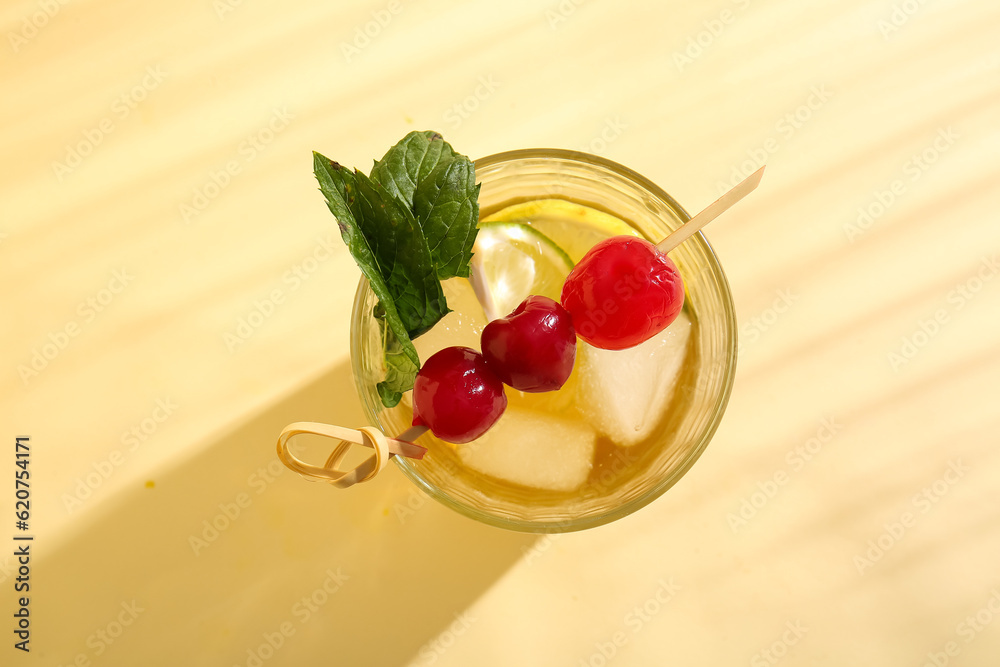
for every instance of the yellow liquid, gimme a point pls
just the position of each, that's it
(551, 471)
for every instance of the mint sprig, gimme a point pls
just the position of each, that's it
(409, 226)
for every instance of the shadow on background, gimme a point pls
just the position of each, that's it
(232, 560)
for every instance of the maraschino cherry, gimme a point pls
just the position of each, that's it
(623, 292)
(457, 396)
(533, 348)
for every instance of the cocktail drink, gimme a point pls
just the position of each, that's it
(628, 423)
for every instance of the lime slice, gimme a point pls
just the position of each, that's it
(518, 261)
(574, 227)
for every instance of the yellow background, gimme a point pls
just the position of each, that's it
(168, 144)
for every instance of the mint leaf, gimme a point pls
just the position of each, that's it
(400, 250)
(447, 205)
(341, 188)
(388, 245)
(409, 226)
(400, 369)
(334, 183)
(439, 186)
(411, 161)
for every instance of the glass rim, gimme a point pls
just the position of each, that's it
(714, 416)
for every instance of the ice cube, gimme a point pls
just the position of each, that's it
(623, 393)
(533, 450)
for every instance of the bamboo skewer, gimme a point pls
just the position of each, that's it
(714, 210)
(483, 293)
(368, 436)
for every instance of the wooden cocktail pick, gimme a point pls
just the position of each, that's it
(713, 211)
(368, 436)
(483, 293)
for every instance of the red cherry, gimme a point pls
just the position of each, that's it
(533, 348)
(457, 396)
(624, 291)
